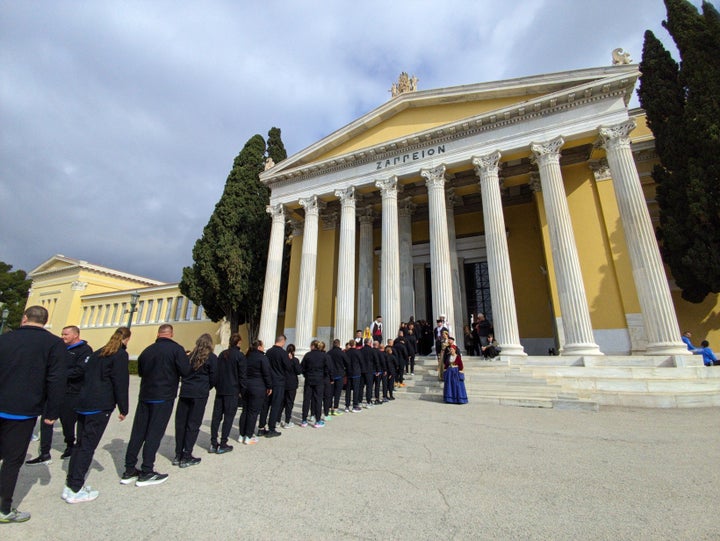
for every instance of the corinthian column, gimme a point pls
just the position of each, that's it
(273, 273)
(308, 264)
(407, 289)
(441, 275)
(345, 310)
(498, 256)
(365, 270)
(661, 325)
(579, 338)
(459, 316)
(389, 259)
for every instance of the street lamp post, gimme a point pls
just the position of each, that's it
(3, 319)
(134, 297)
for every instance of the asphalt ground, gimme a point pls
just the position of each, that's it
(410, 469)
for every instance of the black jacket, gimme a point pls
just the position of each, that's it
(197, 383)
(400, 351)
(160, 366)
(380, 361)
(367, 354)
(231, 372)
(75, 357)
(354, 366)
(338, 362)
(258, 371)
(32, 372)
(412, 345)
(392, 363)
(292, 371)
(105, 382)
(277, 357)
(314, 367)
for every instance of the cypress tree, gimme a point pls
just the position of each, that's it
(683, 111)
(230, 257)
(14, 287)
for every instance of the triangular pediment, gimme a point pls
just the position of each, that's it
(421, 112)
(60, 263)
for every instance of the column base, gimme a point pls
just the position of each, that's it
(581, 349)
(667, 348)
(512, 350)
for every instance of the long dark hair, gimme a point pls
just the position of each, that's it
(203, 349)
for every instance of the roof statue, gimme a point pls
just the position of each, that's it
(269, 163)
(405, 83)
(620, 57)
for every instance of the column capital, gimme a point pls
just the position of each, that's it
(617, 134)
(406, 207)
(601, 170)
(366, 215)
(535, 183)
(388, 187)
(434, 177)
(547, 151)
(346, 196)
(276, 212)
(312, 205)
(487, 164)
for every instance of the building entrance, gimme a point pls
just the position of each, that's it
(477, 290)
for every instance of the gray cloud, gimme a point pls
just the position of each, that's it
(120, 120)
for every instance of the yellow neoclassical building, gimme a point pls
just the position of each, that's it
(529, 200)
(99, 300)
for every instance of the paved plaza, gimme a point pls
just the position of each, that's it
(411, 469)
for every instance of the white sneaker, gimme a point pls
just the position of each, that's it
(289, 425)
(66, 492)
(85, 494)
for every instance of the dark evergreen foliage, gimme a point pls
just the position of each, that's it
(230, 257)
(682, 102)
(14, 287)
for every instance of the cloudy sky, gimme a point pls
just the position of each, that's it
(119, 121)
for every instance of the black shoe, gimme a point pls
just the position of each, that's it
(39, 461)
(150, 478)
(176, 461)
(263, 432)
(273, 434)
(190, 461)
(130, 476)
(67, 453)
(213, 448)
(224, 449)
(391, 398)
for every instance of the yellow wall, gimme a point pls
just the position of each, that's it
(293, 282)
(326, 277)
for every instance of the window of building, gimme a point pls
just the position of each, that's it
(106, 319)
(179, 308)
(199, 314)
(158, 312)
(140, 311)
(168, 310)
(91, 318)
(149, 314)
(189, 308)
(84, 318)
(115, 319)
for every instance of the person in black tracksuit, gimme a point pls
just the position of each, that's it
(76, 352)
(353, 371)
(277, 357)
(368, 371)
(401, 353)
(337, 369)
(392, 365)
(380, 374)
(230, 382)
(314, 369)
(259, 385)
(105, 385)
(32, 378)
(194, 394)
(160, 367)
(292, 371)
(412, 348)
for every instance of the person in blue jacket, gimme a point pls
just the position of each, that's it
(708, 356)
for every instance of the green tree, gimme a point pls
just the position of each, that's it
(682, 102)
(230, 257)
(14, 287)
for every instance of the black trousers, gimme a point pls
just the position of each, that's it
(312, 401)
(225, 407)
(148, 428)
(337, 391)
(368, 380)
(272, 404)
(390, 384)
(289, 403)
(353, 385)
(14, 443)
(90, 429)
(377, 382)
(328, 392)
(188, 418)
(68, 419)
(252, 407)
(412, 364)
